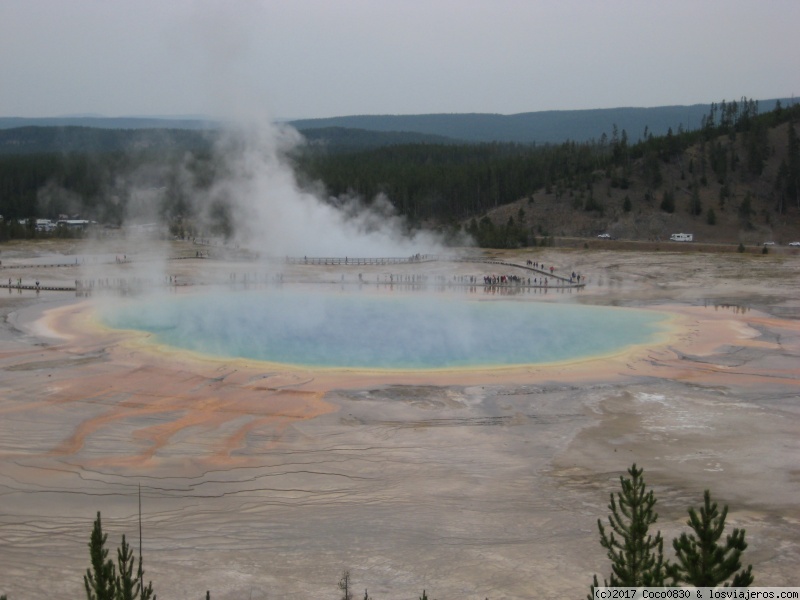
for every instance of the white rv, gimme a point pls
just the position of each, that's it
(681, 237)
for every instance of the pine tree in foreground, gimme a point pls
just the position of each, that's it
(129, 587)
(637, 558)
(703, 562)
(344, 585)
(142, 592)
(99, 579)
(126, 582)
(146, 593)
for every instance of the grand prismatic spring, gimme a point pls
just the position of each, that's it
(267, 468)
(315, 327)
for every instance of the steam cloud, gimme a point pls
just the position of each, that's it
(276, 216)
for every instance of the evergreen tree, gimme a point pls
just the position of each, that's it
(652, 169)
(757, 148)
(126, 582)
(745, 208)
(793, 163)
(636, 557)
(702, 561)
(780, 184)
(128, 587)
(146, 593)
(724, 194)
(668, 202)
(100, 581)
(695, 205)
(626, 204)
(344, 585)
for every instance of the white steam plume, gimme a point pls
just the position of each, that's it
(274, 215)
(271, 212)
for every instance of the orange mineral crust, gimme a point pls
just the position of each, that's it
(267, 480)
(164, 406)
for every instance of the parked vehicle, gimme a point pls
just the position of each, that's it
(682, 237)
(794, 243)
(769, 243)
(604, 236)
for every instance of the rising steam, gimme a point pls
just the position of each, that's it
(270, 211)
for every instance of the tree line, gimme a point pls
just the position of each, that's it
(458, 181)
(438, 185)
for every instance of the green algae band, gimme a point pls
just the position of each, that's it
(371, 331)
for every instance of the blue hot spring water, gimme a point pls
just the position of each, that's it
(383, 331)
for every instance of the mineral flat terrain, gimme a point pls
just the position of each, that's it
(267, 481)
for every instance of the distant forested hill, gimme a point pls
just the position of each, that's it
(37, 140)
(535, 127)
(109, 122)
(735, 177)
(370, 131)
(44, 140)
(342, 139)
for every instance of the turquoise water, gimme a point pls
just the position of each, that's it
(358, 329)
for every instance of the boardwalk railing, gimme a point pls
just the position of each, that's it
(127, 285)
(42, 266)
(38, 288)
(355, 260)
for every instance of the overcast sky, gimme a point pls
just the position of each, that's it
(317, 58)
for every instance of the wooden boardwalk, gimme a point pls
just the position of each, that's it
(46, 288)
(359, 261)
(124, 286)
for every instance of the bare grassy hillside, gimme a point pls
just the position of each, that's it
(561, 213)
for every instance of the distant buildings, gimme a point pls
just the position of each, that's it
(49, 226)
